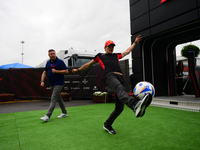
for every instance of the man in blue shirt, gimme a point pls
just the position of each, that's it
(55, 70)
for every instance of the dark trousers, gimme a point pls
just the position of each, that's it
(179, 82)
(116, 83)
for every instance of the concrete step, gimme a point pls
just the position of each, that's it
(186, 105)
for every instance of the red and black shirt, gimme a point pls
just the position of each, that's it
(109, 62)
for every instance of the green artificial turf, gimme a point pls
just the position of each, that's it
(159, 129)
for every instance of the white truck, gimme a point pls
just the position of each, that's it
(72, 57)
(83, 84)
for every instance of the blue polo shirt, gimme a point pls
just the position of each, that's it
(55, 79)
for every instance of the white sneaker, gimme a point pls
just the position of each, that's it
(45, 118)
(62, 115)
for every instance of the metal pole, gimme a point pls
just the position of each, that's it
(22, 50)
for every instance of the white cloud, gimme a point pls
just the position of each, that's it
(60, 24)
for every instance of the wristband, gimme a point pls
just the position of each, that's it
(41, 81)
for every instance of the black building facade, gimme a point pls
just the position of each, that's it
(163, 26)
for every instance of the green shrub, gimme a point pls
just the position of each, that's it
(184, 51)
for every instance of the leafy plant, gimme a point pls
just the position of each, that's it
(7, 94)
(186, 49)
(128, 93)
(64, 93)
(99, 93)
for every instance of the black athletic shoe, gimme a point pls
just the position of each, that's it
(149, 101)
(141, 105)
(109, 129)
(147, 104)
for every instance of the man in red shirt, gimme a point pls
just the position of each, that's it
(109, 62)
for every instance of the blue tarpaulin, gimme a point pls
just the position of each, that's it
(15, 65)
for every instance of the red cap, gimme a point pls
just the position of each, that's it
(109, 42)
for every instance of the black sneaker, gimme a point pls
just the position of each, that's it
(141, 105)
(109, 129)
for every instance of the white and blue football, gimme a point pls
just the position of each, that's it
(142, 88)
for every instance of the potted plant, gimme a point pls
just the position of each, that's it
(113, 96)
(7, 97)
(65, 96)
(100, 97)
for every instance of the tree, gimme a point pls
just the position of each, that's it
(186, 49)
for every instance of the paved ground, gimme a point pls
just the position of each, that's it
(30, 105)
(191, 98)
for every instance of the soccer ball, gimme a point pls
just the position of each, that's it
(142, 88)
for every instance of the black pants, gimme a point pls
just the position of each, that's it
(179, 82)
(116, 83)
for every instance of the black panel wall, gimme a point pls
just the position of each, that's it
(162, 26)
(148, 14)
